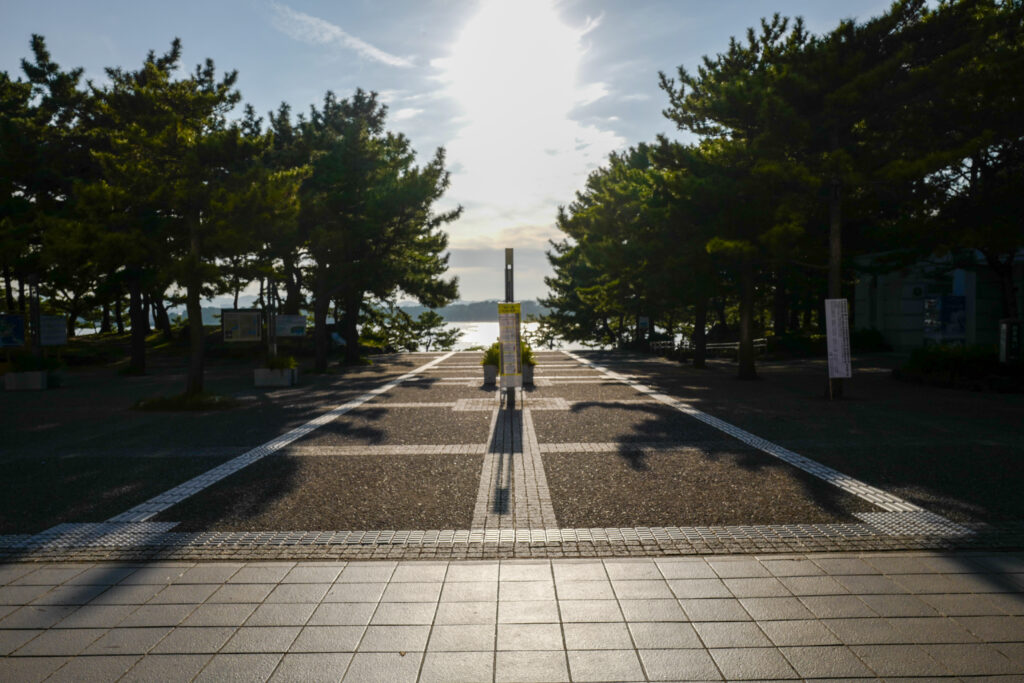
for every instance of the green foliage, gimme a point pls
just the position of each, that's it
(962, 367)
(282, 363)
(187, 403)
(29, 362)
(492, 355)
(868, 340)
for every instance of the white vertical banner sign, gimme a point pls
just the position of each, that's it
(837, 333)
(509, 316)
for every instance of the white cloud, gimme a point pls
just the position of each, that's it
(406, 113)
(315, 31)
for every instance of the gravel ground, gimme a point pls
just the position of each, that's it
(375, 424)
(620, 423)
(350, 492)
(689, 488)
(610, 391)
(413, 392)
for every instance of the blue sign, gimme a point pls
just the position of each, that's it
(12, 329)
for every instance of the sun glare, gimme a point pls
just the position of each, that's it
(514, 73)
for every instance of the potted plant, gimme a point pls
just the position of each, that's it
(29, 373)
(490, 361)
(280, 371)
(528, 361)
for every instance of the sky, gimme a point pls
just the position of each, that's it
(526, 96)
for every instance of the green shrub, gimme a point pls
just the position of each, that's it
(29, 362)
(187, 403)
(492, 356)
(797, 345)
(962, 367)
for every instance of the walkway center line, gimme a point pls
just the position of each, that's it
(154, 506)
(865, 491)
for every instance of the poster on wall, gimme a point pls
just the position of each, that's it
(509, 318)
(53, 330)
(12, 330)
(241, 325)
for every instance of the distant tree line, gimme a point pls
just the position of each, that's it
(898, 136)
(121, 199)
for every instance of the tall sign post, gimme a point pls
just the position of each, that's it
(509, 318)
(837, 333)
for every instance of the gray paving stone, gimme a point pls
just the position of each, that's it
(98, 616)
(21, 595)
(717, 634)
(37, 616)
(714, 609)
(525, 571)
(281, 614)
(738, 568)
(355, 592)
(663, 635)
(605, 665)
(526, 590)
(798, 632)
(58, 642)
(528, 612)
(574, 611)
(262, 639)
(530, 667)
(828, 661)
(652, 610)
(642, 589)
(127, 641)
(632, 570)
(108, 668)
(261, 573)
(457, 667)
(156, 574)
(13, 639)
(394, 639)
(29, 669)
(961, 604)
(994, 629)
(775, 608)
(865, 631)
(367, 573)
(184, 594)
(303, 574)
(529, 637)
(975, 659)
(469, 591)
(1013, 651)
(321, 667)
(790, 567)
(472, 571)
(761, 663)
(597, 636)
(328, 639)
(210, 573)
(763, 587)
(12, 572)
(579, 571)
(928, 583)
(342, 614)
(383, 667)
(128, 594)
(194, 640)
(585, 590)
(686, 569)
(931, 630)
(242, 592)
(835, 566)
(675, 665)
(104, 575)
(408, 613)
(699, 588)
(466, 613)
(412, 592)
(233, 614)
(898, 660)
(420, 572)
(898, 606)
(837, 606)
(166, 668)
(298, 593)
(243, 668)
(69, 595)
(813, 585)
(49, 576)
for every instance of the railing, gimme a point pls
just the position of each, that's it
(759, 344)
(662, 346)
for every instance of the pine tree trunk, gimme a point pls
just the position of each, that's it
(193, 304)
(21, 294)
(700, 337)
(292, 288)
(105, 319)
(162, 318)
(118, 317)
(146, 327)
(353, 302)
(321, 302)
(137, 319)
(747, 369)
(780, 308)
(8, 290)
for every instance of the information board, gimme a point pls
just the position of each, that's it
(290, 325)
(12, 330)
(837, 333)
(241, 325)
(509, 316)
(53, 330)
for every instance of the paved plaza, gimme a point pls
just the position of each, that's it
(614, 522)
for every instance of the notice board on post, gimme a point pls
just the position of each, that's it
(837, 333)
(53, 330)
(240, 325)
(509, 318)
(12, 330)
(289, 325)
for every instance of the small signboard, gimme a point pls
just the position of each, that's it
(644, 323)
(290, 325)
(837, 332)
(53, 330)
(12, 330)
(241, 325)
(509, 318)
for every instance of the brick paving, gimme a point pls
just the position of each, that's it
(134, 599)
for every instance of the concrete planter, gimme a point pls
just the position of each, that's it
(528, 375)
(265, 377)
(490, 374)
(25, 381)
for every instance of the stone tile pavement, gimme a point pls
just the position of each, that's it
(875, 616)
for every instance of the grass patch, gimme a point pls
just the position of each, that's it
(181, 402)
(36, 494)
